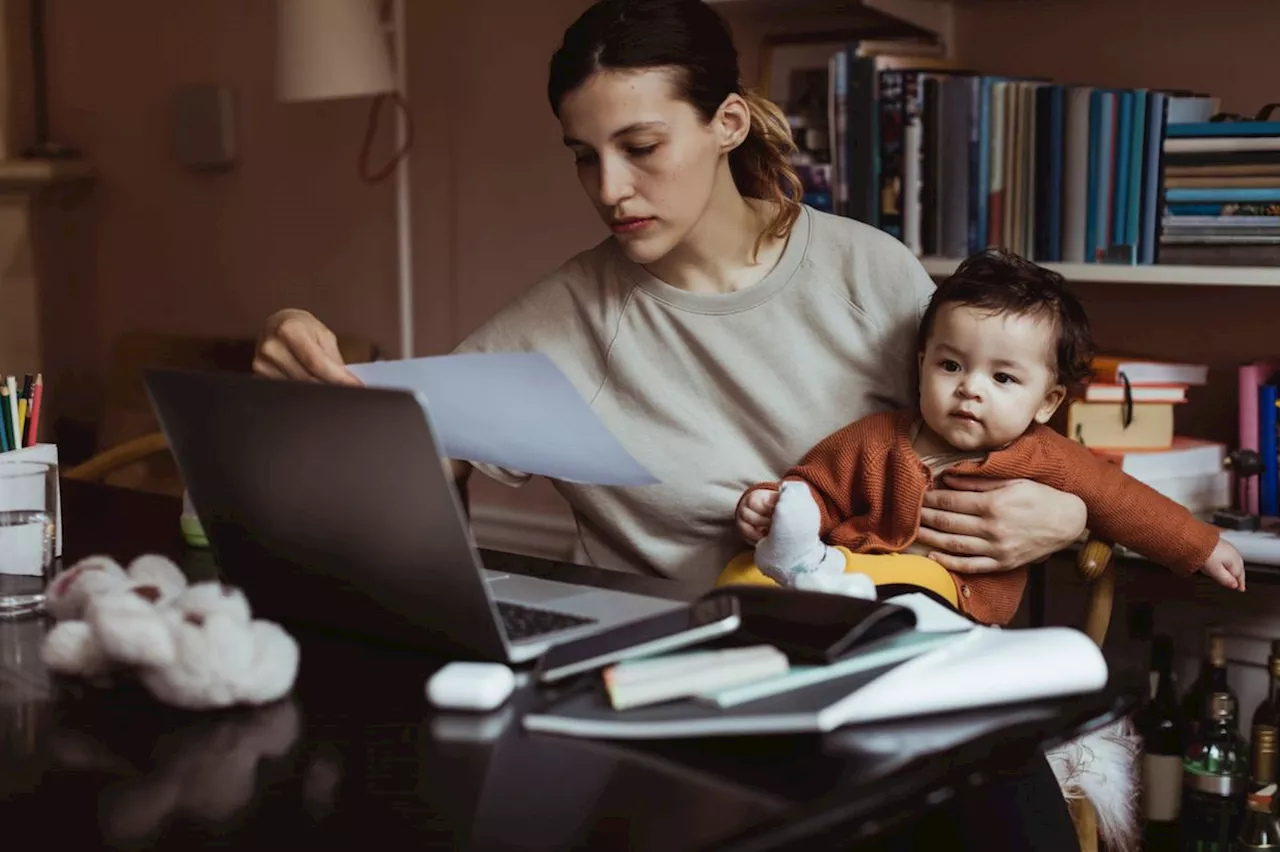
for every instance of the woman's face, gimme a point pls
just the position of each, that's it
(646, 159)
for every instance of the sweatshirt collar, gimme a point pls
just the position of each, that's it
(793, 255)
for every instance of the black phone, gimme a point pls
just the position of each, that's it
(701, 621)
(811, 627)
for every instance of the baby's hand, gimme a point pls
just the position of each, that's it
(755, 513)
(1225, 566)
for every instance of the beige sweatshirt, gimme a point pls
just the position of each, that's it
(713, 393)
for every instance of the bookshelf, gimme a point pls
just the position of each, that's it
(1133, 51)
(1201, 276)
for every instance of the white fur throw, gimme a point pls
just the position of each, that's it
(193, 646)
(1102, 766)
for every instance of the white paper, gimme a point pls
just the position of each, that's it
(987, 667)
(511, 409)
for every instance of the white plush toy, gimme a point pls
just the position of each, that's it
(193, 646)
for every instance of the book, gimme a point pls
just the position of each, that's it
(1103, 392)
(893, 649)
(639, 683)
(1108, 369)
(1249, 378)
(1184, 457)
(1102, 425)
(981, 667)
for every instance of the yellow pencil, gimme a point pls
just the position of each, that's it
(22, 418)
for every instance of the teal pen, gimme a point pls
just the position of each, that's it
(6, 433)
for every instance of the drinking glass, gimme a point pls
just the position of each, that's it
(28, 495)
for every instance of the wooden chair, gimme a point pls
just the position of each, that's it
(133, 451)
(1094, 565)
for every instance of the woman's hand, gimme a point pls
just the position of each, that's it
(977, 525)
(296, 345)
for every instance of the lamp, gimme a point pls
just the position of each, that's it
(329, 49)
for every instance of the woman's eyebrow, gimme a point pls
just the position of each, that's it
(630, 128)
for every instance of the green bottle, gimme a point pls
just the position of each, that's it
(1215, 772)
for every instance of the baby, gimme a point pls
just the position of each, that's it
(1000, 343)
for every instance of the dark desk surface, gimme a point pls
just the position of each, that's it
(356, 756)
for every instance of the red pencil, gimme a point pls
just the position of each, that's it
(33, 412)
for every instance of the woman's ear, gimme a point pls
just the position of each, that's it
(1052, 400)
(732, 122)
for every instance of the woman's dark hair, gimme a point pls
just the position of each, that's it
(691, 39)
(1002, 282)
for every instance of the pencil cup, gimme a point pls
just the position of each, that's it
(28, 499)
(43, 454)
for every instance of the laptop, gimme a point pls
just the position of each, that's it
(331, 507)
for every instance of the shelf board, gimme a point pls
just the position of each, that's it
(1205, 276)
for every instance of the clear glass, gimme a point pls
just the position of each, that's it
(28, 494)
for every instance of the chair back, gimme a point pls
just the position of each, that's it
(127, 414)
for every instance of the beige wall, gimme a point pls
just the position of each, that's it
(495, 199)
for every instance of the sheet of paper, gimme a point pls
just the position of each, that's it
(512, 409)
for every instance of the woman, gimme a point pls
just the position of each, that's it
(723, 328)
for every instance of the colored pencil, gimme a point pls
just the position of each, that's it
(24, 407)
(12, 384)
(21, 422)
(5, 440)
(37, 395)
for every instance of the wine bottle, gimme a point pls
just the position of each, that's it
(1212, 679)
(1260, 829)
(1215, 773)
(1268, 711)
(1161, 727)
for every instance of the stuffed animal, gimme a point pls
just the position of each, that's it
(192, 646)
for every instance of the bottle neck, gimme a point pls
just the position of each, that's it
(1163, 688)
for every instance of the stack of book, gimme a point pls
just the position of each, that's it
(1126, 415)
(1222, 194)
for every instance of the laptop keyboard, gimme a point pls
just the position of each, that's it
(525, 622)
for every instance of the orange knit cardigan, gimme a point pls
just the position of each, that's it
(869, 485)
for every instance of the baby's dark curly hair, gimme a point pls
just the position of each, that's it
(1002, 282)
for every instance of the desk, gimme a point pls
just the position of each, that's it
(355, 757)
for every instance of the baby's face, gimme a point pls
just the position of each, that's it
(984, 378)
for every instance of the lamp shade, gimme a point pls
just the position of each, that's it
(330, 49)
